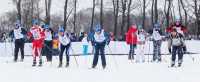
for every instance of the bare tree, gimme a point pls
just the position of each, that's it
(65, 14)
(123, 2)
(48, 8)
(128, 14)
(74, 23)
(156, 11)
(116, 11)
(101, 14)
(92, 19)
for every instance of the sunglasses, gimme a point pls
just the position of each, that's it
(98, 30)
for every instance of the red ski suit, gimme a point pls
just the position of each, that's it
(38, 34)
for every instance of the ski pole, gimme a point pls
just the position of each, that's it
(74, 57)
(149, 49)
(113, 56)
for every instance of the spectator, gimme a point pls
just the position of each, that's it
(73, 37)
(118, 38)
(124, 37)
(199, 37)
(81, 37)
(190, 37)
(112, 37)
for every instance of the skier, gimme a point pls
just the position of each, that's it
(64, 44)
(38, 41)
(131, 38)
(176, 40)
(48, 41)
(141, 35)
(18, 33)
(157, 41)
(180, 29)
(101, 38)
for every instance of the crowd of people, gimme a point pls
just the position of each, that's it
(47, 42)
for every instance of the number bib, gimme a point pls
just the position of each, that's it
(176, 41)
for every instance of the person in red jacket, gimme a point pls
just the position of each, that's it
(131, 38)
(180, 28)
(39, 36)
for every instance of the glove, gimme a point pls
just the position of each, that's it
(41, 40)
(12, 36)
(170, 51)
(184, 49)
(127, 43)
(108, 43)
(181, 29)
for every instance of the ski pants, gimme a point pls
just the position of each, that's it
(62, 49)
(177, 49)
(48, 49)
(37, 45)
(140, 51)
(132, 47)
(19, 44)
(99, 48)
(157, 50)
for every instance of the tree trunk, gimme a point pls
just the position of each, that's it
(156, 12)
(128, 15)
(101, 14)
(143, 19)
(92, 20)
(48, 8)
(65, 14)
(75, 1)
(123, 15)
(19, 9)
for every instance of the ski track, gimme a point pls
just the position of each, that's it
(126, 72)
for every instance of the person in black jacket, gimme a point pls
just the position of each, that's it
(81, 37)
(157, 41)
(18, 34)
(48, 43)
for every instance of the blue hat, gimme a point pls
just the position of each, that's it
(15, 24)
(156, 26)
(47, 27)
(177, 20)
(61, 30)
(18, 21)
(140, 27)
(35, 22)
(97, 28)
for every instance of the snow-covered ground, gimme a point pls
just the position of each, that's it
(126, 71)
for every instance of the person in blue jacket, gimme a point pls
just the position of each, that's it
(100, 38)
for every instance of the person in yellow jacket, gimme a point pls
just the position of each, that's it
(55, 46)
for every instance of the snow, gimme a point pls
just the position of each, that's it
(125, 72)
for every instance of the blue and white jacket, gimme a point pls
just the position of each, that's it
(99, 38)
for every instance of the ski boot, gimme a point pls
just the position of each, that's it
(14, 60)
(34, 63)
(93, 67)
(21, 60)
(129, 57)
(179, 62)
(132, 57)
(104, 67)
(40, 63)
(173, 64)
(60, 65)
(67, 65)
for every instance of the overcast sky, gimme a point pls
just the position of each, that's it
(58, 5)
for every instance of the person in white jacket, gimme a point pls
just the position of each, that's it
(85, 44)
(141, 35)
